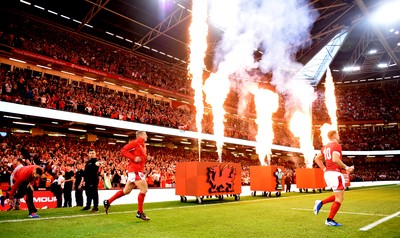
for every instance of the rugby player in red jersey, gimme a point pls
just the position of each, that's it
(332, 154)
(135, 151)
(24, 179)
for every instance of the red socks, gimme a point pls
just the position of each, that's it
(141, 201)
(334, 209)
(117, 195)
(328, 199)
(121, 193)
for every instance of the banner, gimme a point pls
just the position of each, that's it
(41, 199)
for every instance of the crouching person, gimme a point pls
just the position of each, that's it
(24, 179)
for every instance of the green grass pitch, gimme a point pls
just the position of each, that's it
(290, 215)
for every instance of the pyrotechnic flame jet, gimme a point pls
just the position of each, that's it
(301, 121)
(301, 126)
(217, 88)
(330, 102)
(267, 102)
(198, 46)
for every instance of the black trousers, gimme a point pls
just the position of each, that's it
(67, 197)
(56, 190)
(78, 197)
(23, 190)
(92, 193)
(288, 185)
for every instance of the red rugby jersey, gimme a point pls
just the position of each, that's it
(327, 151)
(131, 151)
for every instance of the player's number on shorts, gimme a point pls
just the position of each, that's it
(327, 153)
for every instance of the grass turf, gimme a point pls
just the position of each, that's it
(288, 216)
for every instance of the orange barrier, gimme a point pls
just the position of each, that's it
(267, 179)
(312, 178)
(201, 179)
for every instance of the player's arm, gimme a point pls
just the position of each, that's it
(128, 147)
(319, 160)
(15, 187)
(337, 160)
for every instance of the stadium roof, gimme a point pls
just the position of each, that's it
(159, 29)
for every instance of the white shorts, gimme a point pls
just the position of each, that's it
(136, 176)
(335, 180)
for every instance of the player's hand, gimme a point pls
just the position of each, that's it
(350, 169)
(138, 159)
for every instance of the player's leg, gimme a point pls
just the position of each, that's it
(331, 181)
(126, 190)
(142, 185)
(29, 202)
(122, 192)
(338, 189)
(319, 203)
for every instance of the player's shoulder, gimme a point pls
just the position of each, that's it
(332, 144)
(335, 146)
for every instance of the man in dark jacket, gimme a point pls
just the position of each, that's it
(91, 181)
(78, 184)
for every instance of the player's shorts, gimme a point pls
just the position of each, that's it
(136, 176)
(334, 180)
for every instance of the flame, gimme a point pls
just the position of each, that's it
(330, 102)
(301, 126)
(267, 102)
(302, 97)
(216, 88)
(198, 47)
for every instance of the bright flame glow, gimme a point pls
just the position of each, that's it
(302, 96)
(246, 29)
(216, 88)
(229, 13)
(198, 47)
(267, 102)
(301, 126)
(330, 102)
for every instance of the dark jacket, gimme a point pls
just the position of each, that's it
(91, 172)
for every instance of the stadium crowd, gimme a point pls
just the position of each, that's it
(379, 101)
(42, 39)
(55, 153)
(77, 97)
(361, 103)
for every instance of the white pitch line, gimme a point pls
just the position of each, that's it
(152, 209)
(372, 225)
(351, 213)
(168, 208)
